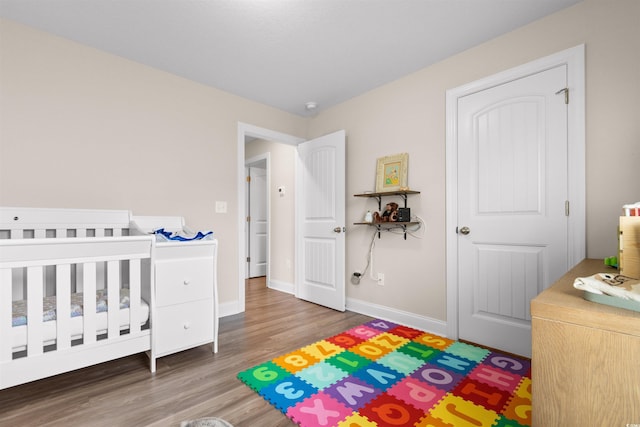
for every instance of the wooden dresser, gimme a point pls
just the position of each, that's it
(585, 357)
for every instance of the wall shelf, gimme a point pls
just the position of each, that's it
(379, 196)
(388, 225)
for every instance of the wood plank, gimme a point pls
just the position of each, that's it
(187, 385)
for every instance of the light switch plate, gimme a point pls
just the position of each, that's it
(221, 207)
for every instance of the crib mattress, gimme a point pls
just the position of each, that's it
(49, 326)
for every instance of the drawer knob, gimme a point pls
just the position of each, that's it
(186, 325)
(186, 281)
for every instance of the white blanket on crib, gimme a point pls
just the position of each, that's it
(49, 326)
(19, 308)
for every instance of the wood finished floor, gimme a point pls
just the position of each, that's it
(191, 384)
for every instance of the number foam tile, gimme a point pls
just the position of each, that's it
(363, 332)
(344, 340)
(382, 325)
(262, 375)
(349, 361)
(287, 392)
(321, 375)
(295, 361)
(322, 349)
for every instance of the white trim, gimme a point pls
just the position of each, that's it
(247, 164)
(423, 323)
(277, 285)
(574, 58)
(244, 130)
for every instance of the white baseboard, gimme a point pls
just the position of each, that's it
(423, 323)
(281, 286)
(229, 308)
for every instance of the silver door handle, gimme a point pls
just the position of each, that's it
(465, 230)
(339, 229)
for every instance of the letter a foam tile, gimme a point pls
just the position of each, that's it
(384, 374)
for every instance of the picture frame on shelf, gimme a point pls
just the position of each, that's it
(391, 173)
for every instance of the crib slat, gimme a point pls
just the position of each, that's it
(89, 302)
(113, 298)
(5, 315)
(63, 306)
(134, 296)
(35, 285)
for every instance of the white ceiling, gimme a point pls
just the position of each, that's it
(283, 53)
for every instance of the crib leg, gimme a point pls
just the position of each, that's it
(152, 362)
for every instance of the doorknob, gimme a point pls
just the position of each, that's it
(339, 229)
(465, 230)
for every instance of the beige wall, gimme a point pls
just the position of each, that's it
(80, 128)
(282, 215)
(408, 115)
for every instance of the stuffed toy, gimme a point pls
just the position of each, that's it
(390, 213)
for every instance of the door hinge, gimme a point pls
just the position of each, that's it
(248, 259)
(248, 178)
(566, 94)
(249, 218)
(566, 208)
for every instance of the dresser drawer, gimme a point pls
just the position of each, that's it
(183, 280)
(183, 326)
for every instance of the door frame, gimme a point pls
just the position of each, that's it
(266, 160)
(574, 58)
(247, 130)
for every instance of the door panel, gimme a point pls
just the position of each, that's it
(512, 188)
(258, 225)
(321, 220)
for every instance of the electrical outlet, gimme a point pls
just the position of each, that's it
(381, 279)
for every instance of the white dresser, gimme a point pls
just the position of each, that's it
(184, 299)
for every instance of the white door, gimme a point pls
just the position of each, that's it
(320, 240)
(512, 191)
(257, 221)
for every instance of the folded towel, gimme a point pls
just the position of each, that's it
(614, 285)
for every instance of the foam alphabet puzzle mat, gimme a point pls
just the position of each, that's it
(385, 374)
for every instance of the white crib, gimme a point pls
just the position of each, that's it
(80, 261)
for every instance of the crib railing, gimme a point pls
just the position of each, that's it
(32, 260)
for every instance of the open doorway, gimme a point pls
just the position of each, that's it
(278, 226)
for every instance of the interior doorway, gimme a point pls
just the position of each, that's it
(246, 135)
